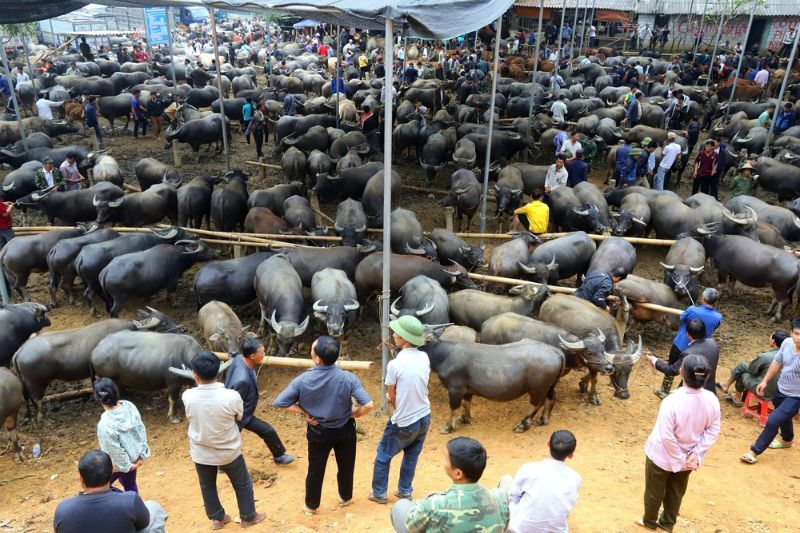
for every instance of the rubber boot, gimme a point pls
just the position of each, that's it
(666, 386)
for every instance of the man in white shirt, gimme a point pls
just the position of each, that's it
(215, 442)
(559, 109)
(43, 105)
(407, 391)
(668, 157)
(762, 77)
(21, 75)
(556, 175)
(541, 495)
(572, 145)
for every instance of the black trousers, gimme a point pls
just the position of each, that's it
(703, 184)
(320, 443)
(268, 434)
(139, 123)
(258, 136)
(237, 473)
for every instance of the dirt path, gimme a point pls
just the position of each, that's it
(724, 495)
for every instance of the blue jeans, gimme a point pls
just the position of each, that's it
(658, 180)
(395, 439)
(780, 419)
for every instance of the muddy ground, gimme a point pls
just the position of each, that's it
(724, 495)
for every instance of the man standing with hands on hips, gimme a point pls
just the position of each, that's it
(407, 391)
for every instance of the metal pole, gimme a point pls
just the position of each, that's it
(535, 62)
(269, 58)
(560, 33)
(716, 43)
(583, 31)
(387, 208)
(53, 34)
(591, 17)
(339, 58)
(213, 17)
(171, 56)
(700, 32)
(741, 58)
(13, 96)
(491, 126)
(783, 90)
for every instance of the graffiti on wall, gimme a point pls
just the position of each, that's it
(734, 30)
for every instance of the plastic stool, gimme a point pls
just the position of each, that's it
(764, 407)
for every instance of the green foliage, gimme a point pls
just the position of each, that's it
(27, 29)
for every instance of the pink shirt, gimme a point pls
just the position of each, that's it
(688, 421)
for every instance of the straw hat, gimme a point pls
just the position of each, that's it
(409, 328)
(747, 166)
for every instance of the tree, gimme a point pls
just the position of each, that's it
(24, 29)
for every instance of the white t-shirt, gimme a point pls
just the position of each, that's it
(542, 497)
(409, 373)
(668, 155)
(559, 110)
(571, 146)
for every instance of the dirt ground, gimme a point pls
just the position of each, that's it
(724, 495)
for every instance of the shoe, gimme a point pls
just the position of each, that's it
(284, 459)
(661, 393)
(640, 522)
(309, 512)
(402, 496)
(259, 517)
(749, 458)
(345, 503)
(219, 524)
(383, 500)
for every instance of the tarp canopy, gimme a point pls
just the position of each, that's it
(16, 11)
(429, 19)
(306, 23)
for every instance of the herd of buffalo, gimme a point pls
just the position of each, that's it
(528, 337)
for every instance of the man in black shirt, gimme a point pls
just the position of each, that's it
(86, 50)
(120, 512)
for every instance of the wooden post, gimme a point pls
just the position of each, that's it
(448, 218)
(176, 155)
(314, 200)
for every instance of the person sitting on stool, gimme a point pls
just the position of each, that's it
(533, 216)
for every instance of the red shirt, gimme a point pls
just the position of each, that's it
(5, 218)
(707, 162)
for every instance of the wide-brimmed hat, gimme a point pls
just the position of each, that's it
(747, 166)
(46, 160)
(646, 141)
(636, 151)
(672, 135)
(409, 328)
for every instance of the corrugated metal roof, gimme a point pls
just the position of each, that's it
(783, 8)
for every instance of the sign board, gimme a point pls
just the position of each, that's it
(155, 19)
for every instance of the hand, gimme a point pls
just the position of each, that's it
(760, 388)
(310, 419)
(692, 462)
(652, 360)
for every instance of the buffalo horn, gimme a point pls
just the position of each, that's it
(8, 187)
(433, 244)
(319, 308)
(117, 202)
(338, 228)
(600, 335)
(516, 191)
(182, 372)
(584, 212)
(273, 322)
(796, 221)
(571, 345)
(425, 310)
(303, 326)
(95, 201)
(667, 267)
(636, 354)
(552, 265)
(361, 228)
(352, 306)
(459, 192)
(415, 251)
(526, 268)
(741, 221)
(639, 221)
(696, 270)
(394, 309)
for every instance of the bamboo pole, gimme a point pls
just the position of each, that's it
(264, 165)
(303, 363)
(570, 290)
(69, 395)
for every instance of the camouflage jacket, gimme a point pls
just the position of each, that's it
(58, 179)
(460, 509)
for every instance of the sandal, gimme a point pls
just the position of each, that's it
(749, 458)
(720, 387)
(778, 445)
(731, 400)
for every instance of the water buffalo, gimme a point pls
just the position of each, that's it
(17, 323)
(335, 302)
(570, 213)
(61, 260)
(464, 195)
(613, 252)
(634, 216)
(26, 254)
(404, 267)
(351, 222)
(229, 204)
(298, 214)
(501, 372)
(506, 258)
(784, 220)
(10, 402)
(280, 296)
(471, 307)
(196, 133)
(229, 281)
(221, 328)
(406, 233)
(738, 258)
(350, 183)
(263, 220)
(293, 163)
(20, 182)
(582, 318)
(9, 130)
(105, 168)
(147, 272)
(372, 199)
(780, 178)
(140, 208)
(560, 258)
(71, 207)
(273, 197)
(141, 360)
(587, 352)
(453, 249)
(151, 172)
(64, 355)
(194, 201)
(634, 289)
(685, 261)
(424, 298)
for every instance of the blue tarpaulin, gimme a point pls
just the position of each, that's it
(307, 23)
